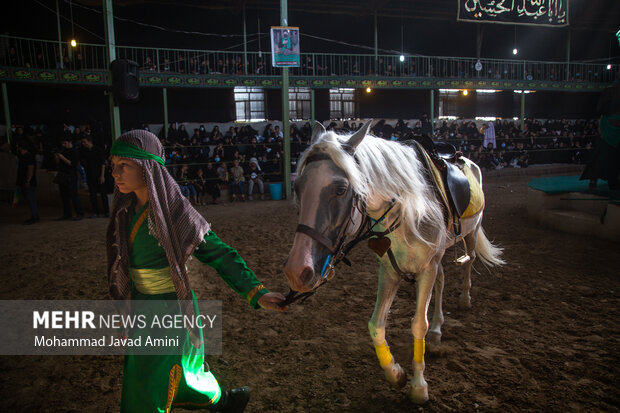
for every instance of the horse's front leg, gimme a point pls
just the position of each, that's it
(419, 327)
(388, 285)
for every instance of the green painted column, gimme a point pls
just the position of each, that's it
(568, 55)
(432, 119)
(523, 110)
(245, 44)
(59, 34)
(7, 113)
(165, 96)
(110, 43)
(312, 113)
(376, 47)
(286, 111)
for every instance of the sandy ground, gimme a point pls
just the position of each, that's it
(542, 334)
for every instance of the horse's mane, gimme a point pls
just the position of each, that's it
(384, 171)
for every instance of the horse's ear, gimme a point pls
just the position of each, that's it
(317, 131)
(357, 137)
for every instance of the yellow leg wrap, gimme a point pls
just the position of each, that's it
(418, 350)
(383, 354)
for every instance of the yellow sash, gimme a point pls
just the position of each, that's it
(152, 281)
(148, 280)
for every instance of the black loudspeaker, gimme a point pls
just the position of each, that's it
(125, 80)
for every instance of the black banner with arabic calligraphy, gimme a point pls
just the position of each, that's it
(528, 12)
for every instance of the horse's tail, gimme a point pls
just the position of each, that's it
(489, 254)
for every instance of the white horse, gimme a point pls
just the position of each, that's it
(335, 174)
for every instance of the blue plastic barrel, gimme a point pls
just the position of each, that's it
(276, 191)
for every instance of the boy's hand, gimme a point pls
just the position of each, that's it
(271, 301)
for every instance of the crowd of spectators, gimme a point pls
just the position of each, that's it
(233, 63)
(243, 159)
(500, 143)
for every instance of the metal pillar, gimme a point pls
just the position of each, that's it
(165, 96)
(312, 115)
(7, 113)
(245, 44)
(376, 47)
(59, 35)
(523, 110)
(110, 45)
(432, 111)
(286, 111)
(568, 55)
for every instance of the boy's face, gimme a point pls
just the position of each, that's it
(127, 174)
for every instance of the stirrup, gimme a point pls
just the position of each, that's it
(463, 259)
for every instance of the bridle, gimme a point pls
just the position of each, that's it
(339, 248)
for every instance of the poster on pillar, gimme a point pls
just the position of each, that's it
(552, 13)
(285, 46)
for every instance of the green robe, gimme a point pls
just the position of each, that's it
(160, 383)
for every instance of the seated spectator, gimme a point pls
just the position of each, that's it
(273, 170)
(255, 176)
(173, 134)
(268, 131)
(237, 181)
(229, 149)
(218, 153)
(216, 135)
(255, 150)
(520, 157)
(187, 188)
(223, 175)
(200, 183)
(183, 136)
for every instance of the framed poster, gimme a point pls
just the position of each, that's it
(285, 46)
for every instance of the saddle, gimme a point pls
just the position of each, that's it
(447, 161)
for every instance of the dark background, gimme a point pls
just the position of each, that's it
(429, 27)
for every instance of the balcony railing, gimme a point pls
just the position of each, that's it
(43, 54)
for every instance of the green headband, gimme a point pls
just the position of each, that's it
(122, 148)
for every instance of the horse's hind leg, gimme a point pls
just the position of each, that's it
(388, 285)
(470, 241)
(434, 333)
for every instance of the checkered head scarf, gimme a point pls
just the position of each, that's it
(172, 220)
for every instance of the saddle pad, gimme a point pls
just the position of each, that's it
(476, 199)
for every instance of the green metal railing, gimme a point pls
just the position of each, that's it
(24, 52)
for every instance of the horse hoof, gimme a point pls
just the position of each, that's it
(433, 340)
(465, 304)
(396, 376)
(419, 394)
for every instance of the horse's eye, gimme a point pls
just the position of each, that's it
(341, 190)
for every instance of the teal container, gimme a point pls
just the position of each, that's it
(276, 191)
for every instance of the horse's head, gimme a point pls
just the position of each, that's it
(327, 210)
